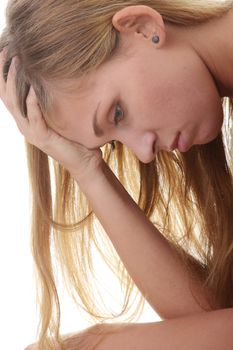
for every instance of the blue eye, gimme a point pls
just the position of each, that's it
(119, 115)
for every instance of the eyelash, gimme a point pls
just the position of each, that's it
(116, 122)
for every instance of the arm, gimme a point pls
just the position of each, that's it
(149, 259)
(151, 262)
(203, 331)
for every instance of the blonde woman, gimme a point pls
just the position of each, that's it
(151, 82)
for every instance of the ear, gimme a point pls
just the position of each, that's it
(140, 20)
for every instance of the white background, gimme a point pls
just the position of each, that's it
(18, 319)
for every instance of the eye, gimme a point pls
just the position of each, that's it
(119, 114)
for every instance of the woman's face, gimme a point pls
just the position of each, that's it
(145, 98)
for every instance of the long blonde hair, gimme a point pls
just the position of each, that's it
(58, 40)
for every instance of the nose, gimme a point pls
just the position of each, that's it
(143, 146)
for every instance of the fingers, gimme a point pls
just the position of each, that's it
(32, 127)
(8, 93)
(10, 90)
(33, 109)
(2, 61)
(36, 120)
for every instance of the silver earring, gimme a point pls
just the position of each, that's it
(155, 39)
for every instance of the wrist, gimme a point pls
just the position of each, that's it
(89, 175)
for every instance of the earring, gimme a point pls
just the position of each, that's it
(113, 145)
(155, 39)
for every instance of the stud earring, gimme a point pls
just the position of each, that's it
(113, 145)
(155, 39)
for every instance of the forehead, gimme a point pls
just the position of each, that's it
(67, 95)
(92, 82)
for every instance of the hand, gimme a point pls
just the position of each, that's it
(87, 338)
(77, 159)
(31, 347)
(35, 347)
(74, 340)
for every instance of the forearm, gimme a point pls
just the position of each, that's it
(150, 261)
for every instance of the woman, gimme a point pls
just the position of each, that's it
(151, 79)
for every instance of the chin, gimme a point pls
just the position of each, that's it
(209, 135)
(207, 139)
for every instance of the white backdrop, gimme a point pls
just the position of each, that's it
(18, 320)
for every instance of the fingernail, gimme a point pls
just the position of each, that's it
(15, 61)
(31, 91)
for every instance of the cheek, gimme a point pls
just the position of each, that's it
(186, 98)
(212, 119)
(203, 106)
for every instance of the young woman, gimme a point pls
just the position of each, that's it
(150, 81)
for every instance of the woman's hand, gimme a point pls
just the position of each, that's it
(34, 346)
(86, 338)
(77, 159)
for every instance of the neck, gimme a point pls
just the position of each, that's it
(213, 42)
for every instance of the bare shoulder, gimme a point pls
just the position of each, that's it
(211, 330)
(203, 331)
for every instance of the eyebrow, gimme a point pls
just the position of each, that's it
(96, 127)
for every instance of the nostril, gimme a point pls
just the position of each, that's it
(154, 147)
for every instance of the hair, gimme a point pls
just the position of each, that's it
(64, 41)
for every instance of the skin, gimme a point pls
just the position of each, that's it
(160, 90)
(203, 330)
